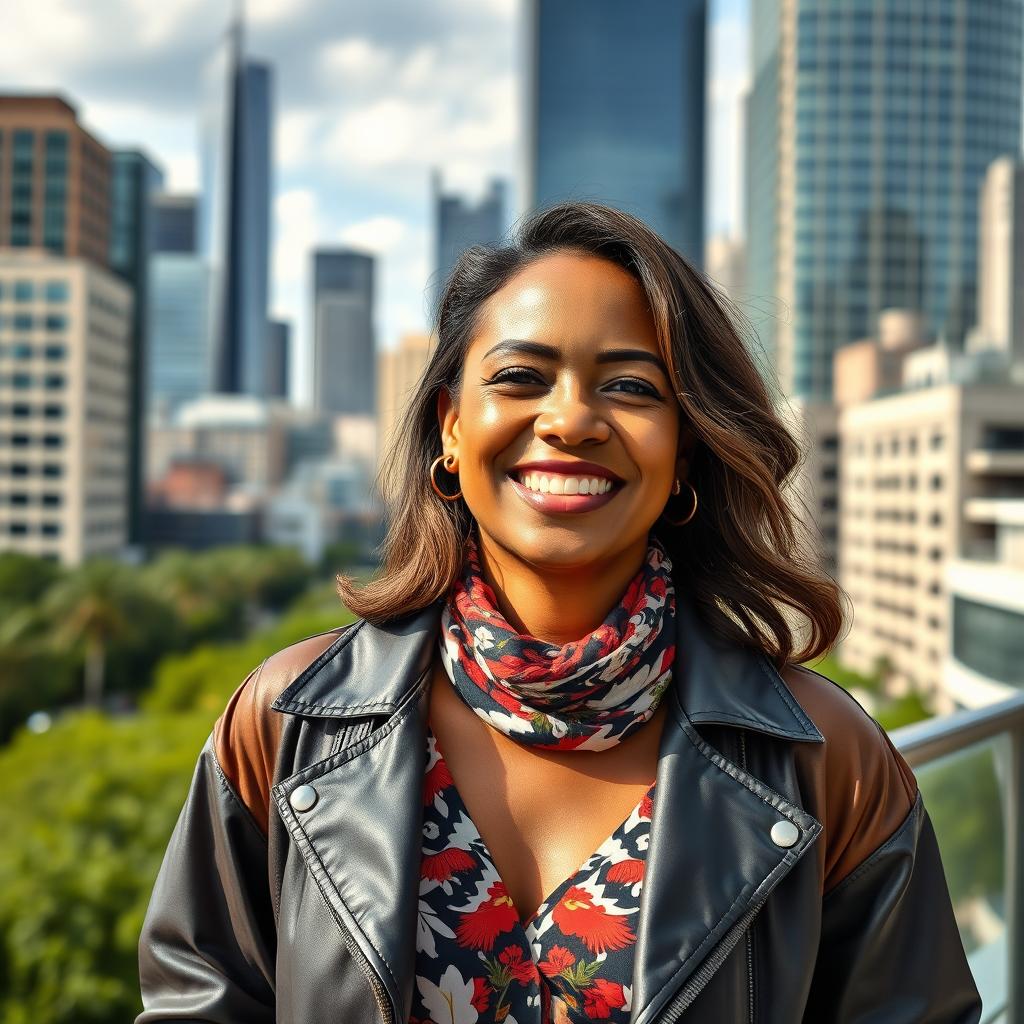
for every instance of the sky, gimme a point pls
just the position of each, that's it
(369, 96)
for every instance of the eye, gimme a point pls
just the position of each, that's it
(513, 375)
(648, 390)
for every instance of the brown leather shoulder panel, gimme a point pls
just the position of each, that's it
(247, 734)
(863, 788)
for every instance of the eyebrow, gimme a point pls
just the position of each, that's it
(608, 355)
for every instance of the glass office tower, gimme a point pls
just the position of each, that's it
(235, 214)
(344, 345)
(615, 110)
(870, 125)
(134, 181)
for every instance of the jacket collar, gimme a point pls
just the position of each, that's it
(369, 670)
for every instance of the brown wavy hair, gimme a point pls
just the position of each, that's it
(745, 556)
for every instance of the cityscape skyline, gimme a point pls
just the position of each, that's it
(366, 103)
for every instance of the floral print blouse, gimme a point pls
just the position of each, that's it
(477, 963)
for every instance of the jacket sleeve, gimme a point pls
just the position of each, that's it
(890, 951)
(208, 943)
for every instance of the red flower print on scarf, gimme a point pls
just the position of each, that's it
(479, 928)
(576, 914)
(600, 998)
(443, 866)
(586, 694)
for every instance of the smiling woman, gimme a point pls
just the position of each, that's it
(565, 766)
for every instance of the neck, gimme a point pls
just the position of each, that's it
(560, 605)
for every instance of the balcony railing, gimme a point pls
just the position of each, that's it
(970, 767)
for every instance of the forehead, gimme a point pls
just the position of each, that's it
(569, 299)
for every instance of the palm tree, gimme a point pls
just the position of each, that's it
(92, 609)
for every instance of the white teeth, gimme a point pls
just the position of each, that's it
(558, 484)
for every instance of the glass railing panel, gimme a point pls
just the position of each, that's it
(965, 795)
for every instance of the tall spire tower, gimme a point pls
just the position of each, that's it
(235, 231)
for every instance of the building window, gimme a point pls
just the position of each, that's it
(56, 322)
(56, 291)
(937, 442)
(53, 469)
(53, 412)
(50, 529)
(51, 500)
(21, 351)
(55, 351)
(52, 441)
(21, 381)
(23, 321)
(24, 291)
(989, 640)
(53, 381)
(936, 481)
(17, 529)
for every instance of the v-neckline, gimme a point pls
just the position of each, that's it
(551, 898)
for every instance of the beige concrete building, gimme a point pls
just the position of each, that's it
(814, 489)
(399, 370)
(65, 352)
(916, 468)
(1001, 261)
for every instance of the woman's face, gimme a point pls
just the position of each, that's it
(564, 367)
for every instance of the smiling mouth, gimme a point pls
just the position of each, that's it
(562, 483)
(557, 493)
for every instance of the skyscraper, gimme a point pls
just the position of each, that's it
(459, 223)
(344, 349)
(134, 182)
(278, 360)
(869, 130)
(1001, 260)
(235, 225)
(615, 110)
(55, 178)
(179, 297)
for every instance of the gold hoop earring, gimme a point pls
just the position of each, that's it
(446, 459)
(677, 489)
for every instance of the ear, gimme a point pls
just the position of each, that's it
(684, 450)
(448, 422)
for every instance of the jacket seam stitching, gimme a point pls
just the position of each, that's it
(336, 645)
(867, 862)
(229, 789)
(751, 896)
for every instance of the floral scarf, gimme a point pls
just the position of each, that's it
(588, 694)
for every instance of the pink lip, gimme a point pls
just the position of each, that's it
(563, 502)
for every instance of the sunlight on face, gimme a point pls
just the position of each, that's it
(565, 365)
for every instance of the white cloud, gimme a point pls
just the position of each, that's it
(296, 230)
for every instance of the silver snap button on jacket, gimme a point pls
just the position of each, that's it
(302, 798)
(784, 833)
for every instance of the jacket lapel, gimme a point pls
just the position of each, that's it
(362, 838)
(711, 860)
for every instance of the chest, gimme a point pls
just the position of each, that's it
(541, 814)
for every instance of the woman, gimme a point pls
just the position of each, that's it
(565, 765)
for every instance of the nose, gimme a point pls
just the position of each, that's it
(568, 416)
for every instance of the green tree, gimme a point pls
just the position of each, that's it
(100, 605)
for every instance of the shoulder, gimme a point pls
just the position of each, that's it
(247, 734)
(863, 787)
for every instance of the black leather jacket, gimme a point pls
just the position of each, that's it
(263, 911)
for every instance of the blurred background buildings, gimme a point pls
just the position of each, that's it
(156, 396)
(148, 394)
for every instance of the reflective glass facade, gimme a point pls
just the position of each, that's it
(616, 110)
(989, 640)
(235, 215)
(344, 352)
(179, 363)
(864, 194)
